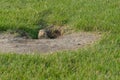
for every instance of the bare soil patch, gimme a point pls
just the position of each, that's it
(10, 43)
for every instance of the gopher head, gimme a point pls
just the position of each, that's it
(42, 34)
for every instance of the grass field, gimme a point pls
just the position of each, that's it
(98, 62)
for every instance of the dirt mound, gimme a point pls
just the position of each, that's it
(10, 43)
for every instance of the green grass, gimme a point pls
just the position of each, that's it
(99, 62)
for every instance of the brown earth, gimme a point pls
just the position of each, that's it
(10, 43)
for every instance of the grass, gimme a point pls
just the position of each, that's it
(99, 62)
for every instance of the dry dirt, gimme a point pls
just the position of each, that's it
(9, 43)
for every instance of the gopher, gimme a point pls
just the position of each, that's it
(42, 34)
(53, 34)
(48, 34)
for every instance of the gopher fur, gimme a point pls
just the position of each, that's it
(51, 34)
(42, 34)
